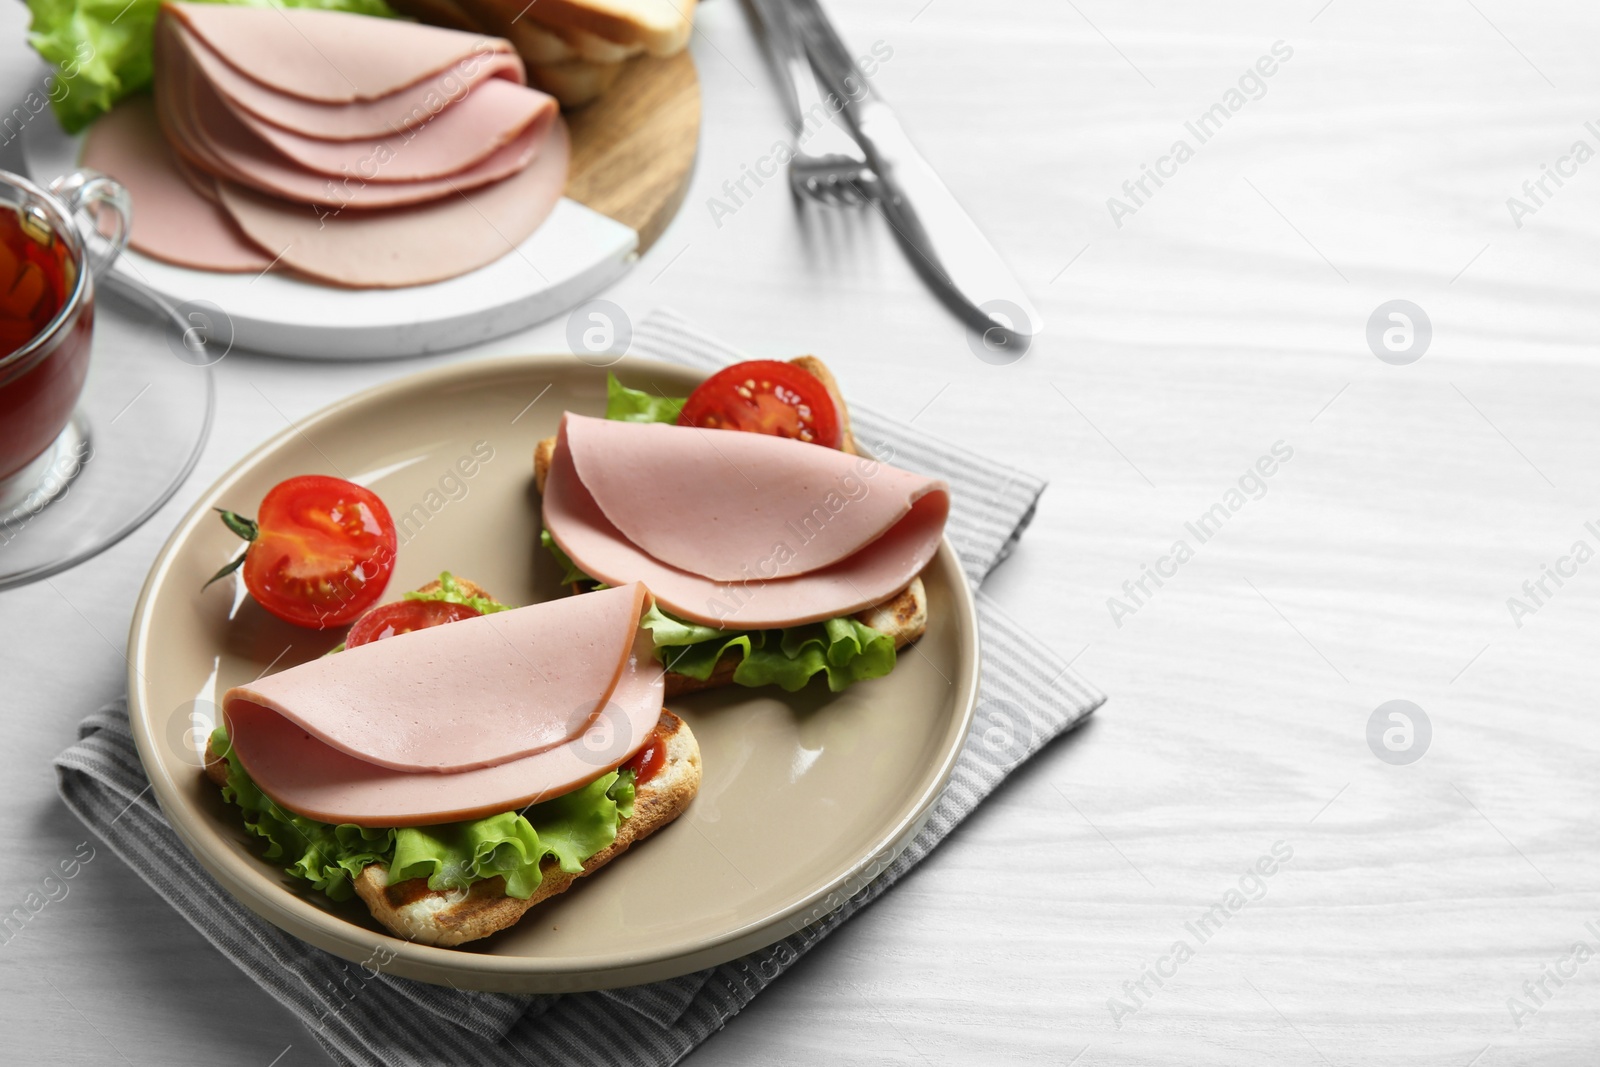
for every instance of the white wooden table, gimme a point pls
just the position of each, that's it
(1225, 314)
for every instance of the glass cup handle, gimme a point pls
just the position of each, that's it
(98, 197)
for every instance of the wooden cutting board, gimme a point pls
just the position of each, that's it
(633, 149)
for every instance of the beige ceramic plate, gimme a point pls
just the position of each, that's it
(805, 797)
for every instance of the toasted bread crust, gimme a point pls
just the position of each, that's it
(467, 587)
(543, 453)
(216, 767)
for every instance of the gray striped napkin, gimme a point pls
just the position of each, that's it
(361, 1015)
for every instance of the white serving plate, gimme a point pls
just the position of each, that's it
(576, 253)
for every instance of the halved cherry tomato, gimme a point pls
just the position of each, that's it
(765, 396)
(321, 550)
(404, 616)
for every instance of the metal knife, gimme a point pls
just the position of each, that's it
(941, 240)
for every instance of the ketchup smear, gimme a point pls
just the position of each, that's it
(649, 759)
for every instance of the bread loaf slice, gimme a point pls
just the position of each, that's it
(537, 46)
(574, 82)
(567, 61)
(659, 27)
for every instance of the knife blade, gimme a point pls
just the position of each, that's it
(940, 238)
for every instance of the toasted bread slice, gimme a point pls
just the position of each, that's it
(435, 917)
(660, 27)
(411, 910)
(903, 616)
(440, 917)
(467, 586)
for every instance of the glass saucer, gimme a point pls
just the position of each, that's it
(141, 422)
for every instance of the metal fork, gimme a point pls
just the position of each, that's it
(828, 166)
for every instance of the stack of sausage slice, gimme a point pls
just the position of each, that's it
(355, 151)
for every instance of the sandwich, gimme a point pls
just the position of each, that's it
(775, 548)
(458, 761)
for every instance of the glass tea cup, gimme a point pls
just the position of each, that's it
(47, 274)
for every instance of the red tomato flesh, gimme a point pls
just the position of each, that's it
(766, 396)
(324, 553)
(404, 616)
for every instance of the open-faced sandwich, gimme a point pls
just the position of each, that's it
(774, 548)
(458, 761)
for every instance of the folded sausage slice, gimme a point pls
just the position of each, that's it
(858, 563)
(308, 776)
(489, 117)
(412, 245)
(331, 57)
(175, 221)
(473, 694)
(410, 107)
(476, 141)
(715, 502)
(210, 136)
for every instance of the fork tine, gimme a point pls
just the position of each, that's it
(829, 184)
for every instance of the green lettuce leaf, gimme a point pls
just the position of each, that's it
(570, 574)
(845, 649)
(570, 828)
(103, 49)
(450, 591)
(328, 856)
(636, 405)
(622, 792)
